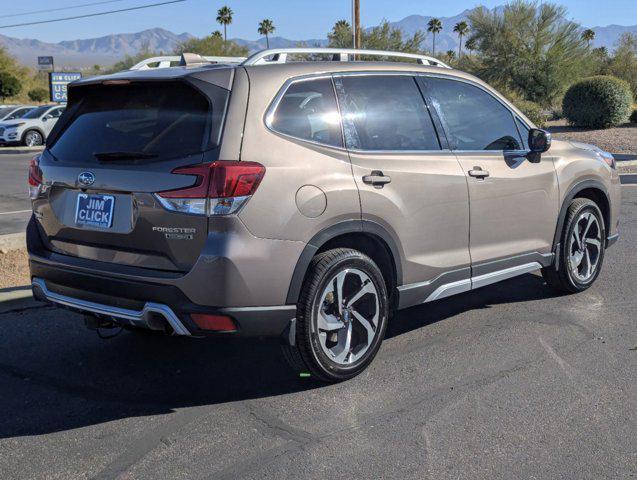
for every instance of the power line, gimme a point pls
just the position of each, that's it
(92, 14)
(48, 10)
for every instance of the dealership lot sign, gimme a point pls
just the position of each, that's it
(58, 82)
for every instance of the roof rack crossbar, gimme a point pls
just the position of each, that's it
(187, 59)
(280, 55)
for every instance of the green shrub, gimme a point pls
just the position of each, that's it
(38, 94)
(598, 102)
(533, 111)
(633, 116)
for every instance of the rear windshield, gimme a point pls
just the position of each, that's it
(138, 122)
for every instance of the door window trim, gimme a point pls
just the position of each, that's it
(442, 134)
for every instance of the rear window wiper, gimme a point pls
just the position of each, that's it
(114, 156)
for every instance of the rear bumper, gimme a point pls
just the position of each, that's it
(124, 295)
(155, 307)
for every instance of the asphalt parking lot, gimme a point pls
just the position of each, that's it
(15, 206)
(509, 381)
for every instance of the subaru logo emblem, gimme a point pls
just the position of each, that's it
(86, 178)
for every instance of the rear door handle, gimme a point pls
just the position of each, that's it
(377, 178)
(478, 172)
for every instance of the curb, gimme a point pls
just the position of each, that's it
(13, 241)
(19, 150)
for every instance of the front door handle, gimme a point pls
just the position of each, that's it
(377, 178)
(478, 172)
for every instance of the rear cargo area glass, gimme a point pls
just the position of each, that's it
(157, 120)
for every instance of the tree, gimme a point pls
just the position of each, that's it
(341, 35)
(217, 34)
(450, 54)
(461, 28)
(38, 94)
(530, 49)
(224, 17)
(623, 63)
(471, 44)
(434, 26)
(212, 45)
(10, 85)
(382, 37)
(588, 36)
(266, 27)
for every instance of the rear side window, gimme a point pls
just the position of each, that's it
(152, 121)
(385, 112)
(473, 119)
(308, 111)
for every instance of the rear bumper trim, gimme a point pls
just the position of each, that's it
(140, 317)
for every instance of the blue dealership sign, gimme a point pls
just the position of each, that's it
(58, 82)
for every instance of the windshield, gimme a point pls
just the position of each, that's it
(155, 121)
(37, 112)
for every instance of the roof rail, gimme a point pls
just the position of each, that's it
(279, 55)
(187, 59)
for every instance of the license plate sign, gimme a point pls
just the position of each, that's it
(94, 210)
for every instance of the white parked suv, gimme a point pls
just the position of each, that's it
(33, 128)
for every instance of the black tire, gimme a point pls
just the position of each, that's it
(563, 279)
(38, 139)
(307, 355)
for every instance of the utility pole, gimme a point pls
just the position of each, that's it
(356, 23)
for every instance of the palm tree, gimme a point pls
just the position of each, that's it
(434, 26)
(451, 54)
(588, 35)
(266, 27)
(217, 34)
(224, 17)
(461, 28)
(471, 44)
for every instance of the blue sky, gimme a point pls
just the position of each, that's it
(295, 19)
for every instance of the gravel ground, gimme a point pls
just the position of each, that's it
(14, 269)
(621, 139)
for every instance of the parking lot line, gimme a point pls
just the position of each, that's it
(15, 212)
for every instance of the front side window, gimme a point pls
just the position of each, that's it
(524, 131)
(17, 113)
(385, 112)
(473, 119)
(308, 111)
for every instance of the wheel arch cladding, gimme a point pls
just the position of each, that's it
(368, 237)
(593, 190)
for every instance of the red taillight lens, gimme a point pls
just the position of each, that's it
(225, 186)
(35, 178)
(35, 174)
(217, 323)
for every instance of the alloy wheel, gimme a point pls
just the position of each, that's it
(347, 316)
(585, 245)
(33, 139)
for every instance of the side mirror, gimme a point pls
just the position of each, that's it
(539, 142)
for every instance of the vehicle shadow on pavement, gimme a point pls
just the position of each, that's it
(56, 375)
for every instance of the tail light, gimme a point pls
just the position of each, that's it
(35, 178)
(221, 188)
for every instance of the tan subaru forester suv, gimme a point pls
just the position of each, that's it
(306, 200)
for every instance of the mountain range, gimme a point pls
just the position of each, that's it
(111, 48)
